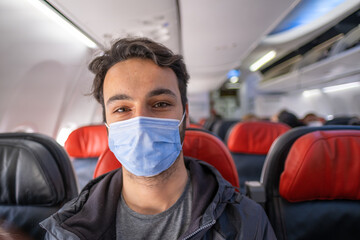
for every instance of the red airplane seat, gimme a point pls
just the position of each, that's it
(84, 145)
(199, 144)
(195, 125)
(202, 121)
(202, 145)
(106, 163)
(323, 165)
(311, 183)
(87, 142)
(249, 143)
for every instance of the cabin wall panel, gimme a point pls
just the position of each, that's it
(199, 106)
(327, 105)
(40, 61)
(79, 108)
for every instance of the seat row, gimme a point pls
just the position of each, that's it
(311, 175)
(309, 185)
(248, 142)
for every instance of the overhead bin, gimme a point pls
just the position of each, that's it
(340, 66)
(285, 82)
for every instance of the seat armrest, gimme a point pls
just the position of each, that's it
(256, 191)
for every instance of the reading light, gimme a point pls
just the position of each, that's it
(234, 79)
(56, 17)
(233, 75)
(341, 87)
(264, 59)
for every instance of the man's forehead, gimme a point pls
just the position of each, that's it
(140, 70)
(151, 93)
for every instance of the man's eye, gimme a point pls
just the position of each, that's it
(161, 105)
(122, 109)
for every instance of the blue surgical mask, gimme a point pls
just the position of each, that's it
(146, 146)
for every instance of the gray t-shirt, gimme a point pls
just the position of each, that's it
(170, 224)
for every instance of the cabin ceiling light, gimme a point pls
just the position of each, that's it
(312, 92)
(341, 87)
(50, 12)
(264, 59)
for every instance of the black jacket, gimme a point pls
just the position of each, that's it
(218, 211)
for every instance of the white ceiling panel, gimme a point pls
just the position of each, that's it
(217, 35)
(107, 20)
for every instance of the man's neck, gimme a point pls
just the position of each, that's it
(154, 195)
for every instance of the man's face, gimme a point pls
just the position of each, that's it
(138, 87)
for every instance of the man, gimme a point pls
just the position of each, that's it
(158, 193)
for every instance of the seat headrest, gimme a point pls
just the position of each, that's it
(205, 146)
(195, 125)
(29, 174)
(323, 165)
(197, 144)
(254, 137)
(106, 163)
(87, 141)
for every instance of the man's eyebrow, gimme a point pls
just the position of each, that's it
(161, 91)
(118, 97)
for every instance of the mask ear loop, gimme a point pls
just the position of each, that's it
(107, 125)
(182, 119)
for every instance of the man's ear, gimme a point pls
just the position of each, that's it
(187, 115)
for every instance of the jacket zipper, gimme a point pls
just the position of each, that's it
(200, 229)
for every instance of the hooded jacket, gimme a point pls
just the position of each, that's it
(218, 211)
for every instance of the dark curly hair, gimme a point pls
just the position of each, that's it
(143, 48)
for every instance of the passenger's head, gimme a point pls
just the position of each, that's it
(250, 117)
(289, 118)
(142, 49)
(354, 121)
(311, 119)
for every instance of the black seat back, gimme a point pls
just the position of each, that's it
(37, 178)
(222, 127)
(249, 142)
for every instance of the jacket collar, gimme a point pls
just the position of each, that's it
(211, 193)
(100, 198)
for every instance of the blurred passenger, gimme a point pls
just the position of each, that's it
(288, 118)
(214, 117)
(250, 118)
(354, 121)
(311, 119)
(274, 118)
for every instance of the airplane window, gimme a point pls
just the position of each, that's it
(64, 132)
(24, 128)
